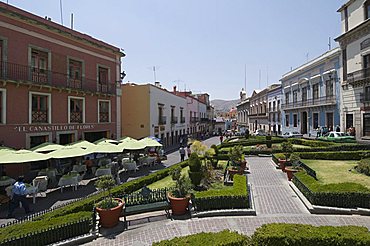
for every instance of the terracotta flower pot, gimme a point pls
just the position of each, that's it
(178, 205)
(110, 217)
(289, 172)
(282, 164)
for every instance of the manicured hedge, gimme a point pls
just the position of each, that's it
(345, 195)
(36, 227)
(250, 142)
(237, 197)
(364, 166)
(311, 143)
(338, 155)
(225, 238)
(307, 235)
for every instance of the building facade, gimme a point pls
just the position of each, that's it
(258, 117)
(150, 110)
(274, 110)
(355, 70)
(311, 95)
(56, 84)
(243, 112)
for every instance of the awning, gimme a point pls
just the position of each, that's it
(82, 144)
(22, 156)
(131, 144)
(106, 140)
(148, 142)
(106, 147)
(47, 147)
(70, 151)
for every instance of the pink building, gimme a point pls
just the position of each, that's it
(56, 84)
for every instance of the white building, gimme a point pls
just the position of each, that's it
(355, 71)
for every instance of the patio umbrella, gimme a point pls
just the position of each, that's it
(150, 142)
(106, 140)
(5, 150)
(106, 147)
(22, 156)
(154, 138)
(131, 144)
(46, 147)
(70, 151)
(83, 144)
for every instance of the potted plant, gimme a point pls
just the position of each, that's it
(287, 148)
(294, 160)
(109, 209)
(179, 197)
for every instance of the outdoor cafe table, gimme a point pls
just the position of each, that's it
(79, 168)
(68, 180)
(5, 181)
(30, 190)
(103, 171)
(129, 166)
(49, 172)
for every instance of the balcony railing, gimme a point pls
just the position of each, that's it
(359, 76)
(76, 117)
(310, 102)
(103, 116)
(39, 117)
(182, 120)
(26, 74)
(174, 120)
(162, 120)
(259, 114)
(194, 119)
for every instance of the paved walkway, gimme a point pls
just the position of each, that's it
(275, 203)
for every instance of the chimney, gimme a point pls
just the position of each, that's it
(174, 89)
(157, 84)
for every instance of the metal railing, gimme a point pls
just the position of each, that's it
(194, 119)
(311, 102)
(174, 120)
(27, 74)
(182, 120)
(359, 75)
(162, 120)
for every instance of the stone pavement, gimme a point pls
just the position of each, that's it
(274, 200)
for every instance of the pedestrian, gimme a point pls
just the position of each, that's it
(182, 153)
(19, 192)
(189, 151)
(221, 138)
(88, 163)
(337, 129)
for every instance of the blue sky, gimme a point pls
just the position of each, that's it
(203, 45)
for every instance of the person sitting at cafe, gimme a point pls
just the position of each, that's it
(88, 163)
(19, 192)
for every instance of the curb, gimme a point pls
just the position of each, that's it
(316, 209)
(78, 240)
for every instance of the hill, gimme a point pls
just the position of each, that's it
(224, 105)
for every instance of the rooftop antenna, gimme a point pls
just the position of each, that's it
(329, 44)
(259, 79)
(72, 21)
(61, 11)
(154, 74)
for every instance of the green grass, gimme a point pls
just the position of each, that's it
(329, 172)
(167, 182)
(222, 164)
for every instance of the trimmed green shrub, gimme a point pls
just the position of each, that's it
(225, 238)
(268, 141)
(344, 195)
(307, 235)
(340, 155)
(364, 166)
(195, 169)
(311, 143)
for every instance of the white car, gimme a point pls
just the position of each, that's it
(259, 132)
(292, 135)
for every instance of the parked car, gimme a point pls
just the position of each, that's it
(259, 132)
(292, 135)
(337, 136)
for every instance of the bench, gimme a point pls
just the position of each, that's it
(146, 200)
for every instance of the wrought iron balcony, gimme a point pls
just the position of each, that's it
(359, 76)
(32, 75)
(162, 120)
(76, 117)
(328, 100)
(173, 120)
(364, 98)
(204, 120)
(103, 116)
(182, 120)
(194, 119)
(40, 116)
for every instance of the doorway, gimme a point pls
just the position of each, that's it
(329, 121)
(304, 123)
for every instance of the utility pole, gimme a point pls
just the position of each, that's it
(155, 76)
(61, 11)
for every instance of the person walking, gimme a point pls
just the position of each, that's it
(221, 138)
(19, 192)
(182, 153)
(188, 150)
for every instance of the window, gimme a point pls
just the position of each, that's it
(344, 64)
(104, 111)
(274, 106)
(103, 78)
(270, 109)
(329, 88)
(39, 108)
(2, 106)
(161, 119)
(287, 98)
(295, 120)
(315, 120)
(287, 120)
(345, 19)
(349, 121)
(367, 10)
(278, 105)
(295, 96)
(76, 110)
(304, 94)
(75, 73)
(315, 91)
(39, 64)
(367, 94)
(1, 58)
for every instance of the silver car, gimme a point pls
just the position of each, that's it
(292, 135)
